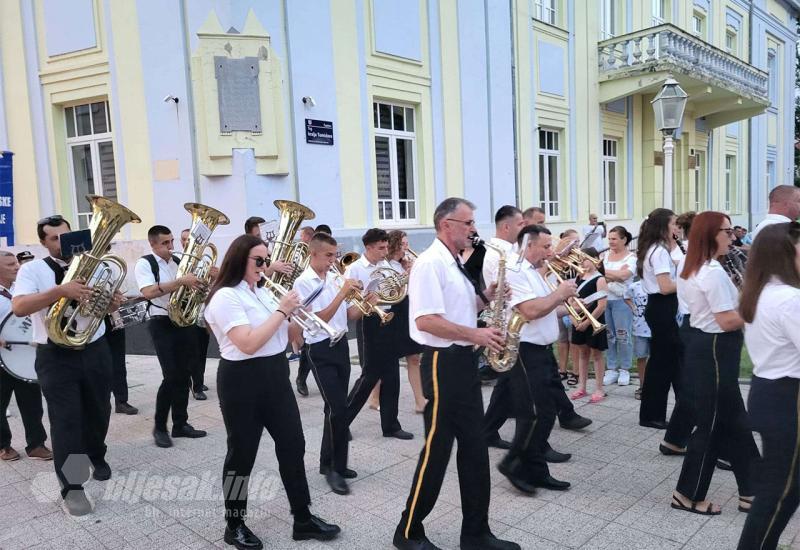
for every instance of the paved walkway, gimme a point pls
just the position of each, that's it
(170, 498)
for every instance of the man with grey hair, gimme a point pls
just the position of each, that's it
(784, 206)
(443, 309)
(534, 216)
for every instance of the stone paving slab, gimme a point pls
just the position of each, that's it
(171, 498)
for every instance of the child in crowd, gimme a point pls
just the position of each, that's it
(641, 332)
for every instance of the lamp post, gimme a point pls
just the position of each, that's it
(668, 106)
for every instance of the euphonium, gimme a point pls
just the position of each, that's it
(357, 299)
(186, 303)
(284, 250)
(103, 273)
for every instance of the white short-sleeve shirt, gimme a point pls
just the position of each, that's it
(438, 287)
(527, 284)
(656, 261)
(362, 270)
(630, 261)
(167, 271)
(772, 339)
(35, 277)
(769, 219)
(308, 282)
(5, 303)
(492, 259)
(708, 291)
(237, 306)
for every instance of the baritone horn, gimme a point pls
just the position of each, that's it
(198, 258)
(102, 273)
(577, 309)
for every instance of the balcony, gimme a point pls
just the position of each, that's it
(721, 87)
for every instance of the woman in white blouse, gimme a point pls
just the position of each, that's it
(620, 265)
(251, 327)
(712, 351)
(770, 307)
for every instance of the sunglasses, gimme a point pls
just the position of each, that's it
(259, 260)
(51, 220)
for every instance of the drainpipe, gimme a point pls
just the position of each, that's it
(749, 181)
(187, 47)
(514, 102)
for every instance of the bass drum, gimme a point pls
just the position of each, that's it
(18, 356)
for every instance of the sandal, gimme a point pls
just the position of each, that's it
(572, 379)
(678, 505)
(638, 394)
(748, 501)
(577, 394)
(563, 374)
(597, 397)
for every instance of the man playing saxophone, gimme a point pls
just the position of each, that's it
(76, 382)
(536, 370)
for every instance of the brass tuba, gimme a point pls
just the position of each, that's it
(186, 303)
(284, 250)
(102, 273)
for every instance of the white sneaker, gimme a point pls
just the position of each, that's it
(610, 377)
(624, 378)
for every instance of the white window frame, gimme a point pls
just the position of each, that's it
(771, 174)
(549, 204)
(610, 208)
(699, 181)
(698, 26)
(659, 9)
(608, 19)
(94, 141)
(731, 40)
(393, 135)
(546, 11)
(730, 175)
(773, 76)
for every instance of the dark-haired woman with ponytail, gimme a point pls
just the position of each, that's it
(712, 350)
(770, 307)
(251, 327)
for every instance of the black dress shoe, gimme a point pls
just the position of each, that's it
(487, 542)
(347, 474)
(162, 439)
(577, 422)
(200, 396)
(125, 408)
(400, 434)
(314, 528)
(498, 443)
(670, 452)
(302, 387)
(657, 424)
(337, 483)
(101, 471)
(203, 388)
(187, 431)
(515, 480)
(551, 483)
(243, 538)
(403, 543)
(349, 435)
(554, 457)
(724, 465)
(76, 504)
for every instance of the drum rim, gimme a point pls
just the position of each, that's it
(3, 363)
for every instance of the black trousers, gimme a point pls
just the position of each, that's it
(682, 421)
(331, 368)
(663, 365)
(119, 377)
(29, 402)
(173, 347)
(774, 407)
(712, 397)
(303, 368)
(76, 385)
(454, 412)
(255, 394)
(534, 408)
(379, 361)
(198, 366)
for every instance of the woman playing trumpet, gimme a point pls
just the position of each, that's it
(251, 327)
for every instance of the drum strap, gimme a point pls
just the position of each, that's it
(5, 294)
(151, 259)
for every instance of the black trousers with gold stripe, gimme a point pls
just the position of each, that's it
(774, 407)
(454, 412)
(713, 400)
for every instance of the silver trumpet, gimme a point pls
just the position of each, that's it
(307, 320)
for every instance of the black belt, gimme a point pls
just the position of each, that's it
(450, 348)
(538, 346)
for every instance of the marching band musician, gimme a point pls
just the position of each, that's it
(156, 276)
(28, 394)
(76, 382)
(712, 349)
(443, 311)
(254, 390)
(379, 359)
(534, 405)
(770, 307)
(200, 349)
(330, 364)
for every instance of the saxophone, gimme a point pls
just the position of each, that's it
(497, 316)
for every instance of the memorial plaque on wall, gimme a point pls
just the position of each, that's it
(237, 92)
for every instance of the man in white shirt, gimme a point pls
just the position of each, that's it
(377, 344)
(784, 206)
(594, 233)
(330, 364)
(508, 222)
(28, 394)
(443, 309)
(75, 382)
(156, 276)
(534, 216)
